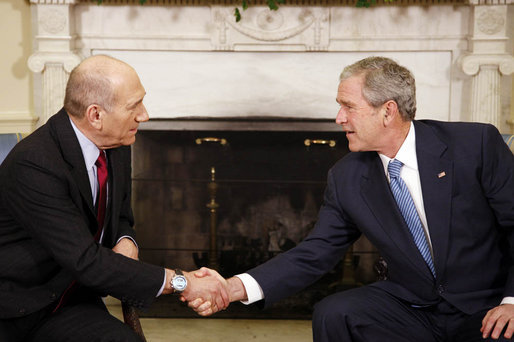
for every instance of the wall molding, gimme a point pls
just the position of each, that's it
(17, 122)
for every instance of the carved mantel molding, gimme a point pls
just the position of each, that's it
(471, 63)
(307, 27)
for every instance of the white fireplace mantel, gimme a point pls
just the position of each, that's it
(195, 60)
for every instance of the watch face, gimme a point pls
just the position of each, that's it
(179, 283)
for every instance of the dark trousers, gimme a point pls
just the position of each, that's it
(369, 314)
(83, 319)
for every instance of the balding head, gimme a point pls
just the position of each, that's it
(94, 81)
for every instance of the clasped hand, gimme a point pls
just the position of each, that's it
(208, 292)
(206, 289)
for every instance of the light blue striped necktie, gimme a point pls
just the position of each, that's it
(408, 209)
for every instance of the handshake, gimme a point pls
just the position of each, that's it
(207, 292)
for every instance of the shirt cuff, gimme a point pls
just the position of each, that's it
(128, 237)
(252, 287)
(507, 300)
(163, 285)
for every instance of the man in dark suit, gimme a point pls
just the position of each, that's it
(66, 233)
(448, 244)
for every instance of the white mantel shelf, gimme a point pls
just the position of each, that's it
(240, 124)
(195, 60)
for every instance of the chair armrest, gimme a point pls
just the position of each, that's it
(131, 318)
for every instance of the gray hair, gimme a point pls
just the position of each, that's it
(90, 83)
(385, 80)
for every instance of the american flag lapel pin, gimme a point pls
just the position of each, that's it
(441, 174)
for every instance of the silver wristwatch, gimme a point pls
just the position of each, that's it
(179, 281)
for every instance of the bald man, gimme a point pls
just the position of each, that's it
(66, 224)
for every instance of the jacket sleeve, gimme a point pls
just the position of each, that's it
(317, 254)
(498, 185)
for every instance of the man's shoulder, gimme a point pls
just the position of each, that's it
(458, 138)
(354, 162)
(42, 144)
(455, 127)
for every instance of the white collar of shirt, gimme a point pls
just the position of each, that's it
(406, 154)
(89, 149)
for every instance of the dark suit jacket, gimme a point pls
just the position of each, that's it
(470, 213)
(47, 223)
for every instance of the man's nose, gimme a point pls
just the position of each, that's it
(143, 115)
(341, 116)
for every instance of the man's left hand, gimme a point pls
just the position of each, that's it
(127, 248)
(496, 320)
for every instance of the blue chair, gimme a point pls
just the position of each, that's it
(509, 140)
(7, 142)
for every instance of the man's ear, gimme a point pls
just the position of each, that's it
(94, 115)
(391, 113)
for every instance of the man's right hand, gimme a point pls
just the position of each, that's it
(203, 306)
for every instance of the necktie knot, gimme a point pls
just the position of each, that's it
(394, 168)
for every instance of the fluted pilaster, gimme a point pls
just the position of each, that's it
(54, 56)
(487, 61)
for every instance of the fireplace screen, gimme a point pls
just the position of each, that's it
(231, 200)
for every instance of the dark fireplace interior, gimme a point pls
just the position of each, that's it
(232, 204)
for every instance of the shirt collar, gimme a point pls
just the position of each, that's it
(89, 149)
(407, 152)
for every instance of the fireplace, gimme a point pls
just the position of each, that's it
(265, 186)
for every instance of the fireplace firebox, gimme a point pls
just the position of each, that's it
(232, 199)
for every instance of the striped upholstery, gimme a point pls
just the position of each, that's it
(509, 140)
(7, 142)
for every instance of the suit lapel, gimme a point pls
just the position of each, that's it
(115, 184)
(436, 175)
(71, 152)
(377, 194)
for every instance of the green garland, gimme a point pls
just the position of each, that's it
(273, 5)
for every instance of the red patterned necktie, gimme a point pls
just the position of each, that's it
(101, 201)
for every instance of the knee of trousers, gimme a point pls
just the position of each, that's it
(337, 306)
(331, 319)
(330, 312)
